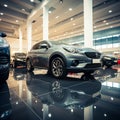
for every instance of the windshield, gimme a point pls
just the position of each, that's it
(20, 54)
(58, 43)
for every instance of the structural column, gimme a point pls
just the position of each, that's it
(20, 39)
(29, 34)
(45, 23)
(88, 23)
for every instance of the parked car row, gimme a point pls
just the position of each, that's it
(109, 60)
(18, 59)
(57, 57)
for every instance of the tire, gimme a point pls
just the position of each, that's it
(108, 64)
(4, 77)
(30, 68)
(58, 68)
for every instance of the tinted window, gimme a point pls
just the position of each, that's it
(36, 46)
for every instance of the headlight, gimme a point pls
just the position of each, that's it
(107, 58)
(19, 59)
(71, 50)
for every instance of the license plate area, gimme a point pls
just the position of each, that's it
(96, 60)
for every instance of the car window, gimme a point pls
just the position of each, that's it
(36, 46)
(42, 44)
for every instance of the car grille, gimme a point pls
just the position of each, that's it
(93, 65)
(4, 59)
(93, 54)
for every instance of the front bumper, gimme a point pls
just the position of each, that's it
(4, 68)
(82, 63)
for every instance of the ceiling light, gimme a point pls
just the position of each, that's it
(1, 13)
(57, 16)
(107, 23)
(74, 24)
(70, 9)
(110, 11)
(5, 5)
(0, 19)
(16, 20)
(32, 0)
(111, 26)
(49, 12)
(71, 19)
(61, 1)
(104, 21)
(23, 9)
(94, 26)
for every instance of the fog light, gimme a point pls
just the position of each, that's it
(75, 62)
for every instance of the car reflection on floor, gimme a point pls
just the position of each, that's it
(5, 105)
(19, 73)
(56, 93)
(49, 98)
(105, 74)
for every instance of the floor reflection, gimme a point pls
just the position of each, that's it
(5, 104)
(85, 97)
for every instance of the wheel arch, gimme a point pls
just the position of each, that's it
(29, 58)
(57, 54)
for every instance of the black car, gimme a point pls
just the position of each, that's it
(4, 58)
(108, 60)
(18, 59)
(60, 58)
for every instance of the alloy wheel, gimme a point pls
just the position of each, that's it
(58, 67)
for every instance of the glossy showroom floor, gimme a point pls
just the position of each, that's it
(38, 96)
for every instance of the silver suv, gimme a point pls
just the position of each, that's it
(60, 58)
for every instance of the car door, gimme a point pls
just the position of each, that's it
(34, 55)
(43, 54)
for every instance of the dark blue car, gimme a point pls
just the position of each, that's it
(4, 58)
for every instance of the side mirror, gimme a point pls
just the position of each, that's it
(2, 34)
(44, 46)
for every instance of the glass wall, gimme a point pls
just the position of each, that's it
(107, 42)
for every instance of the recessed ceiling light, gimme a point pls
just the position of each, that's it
(74, 24)
(104, 21)
(0, 19)
(70, 9)
(1, 13)
(5, 5)
(32, 0)
(110, 11)
(107, 23)
(16, 20)
(49, 12)
(23, 9)
(71, 19)
(57, 17)
(61, 1)
(111, 26)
